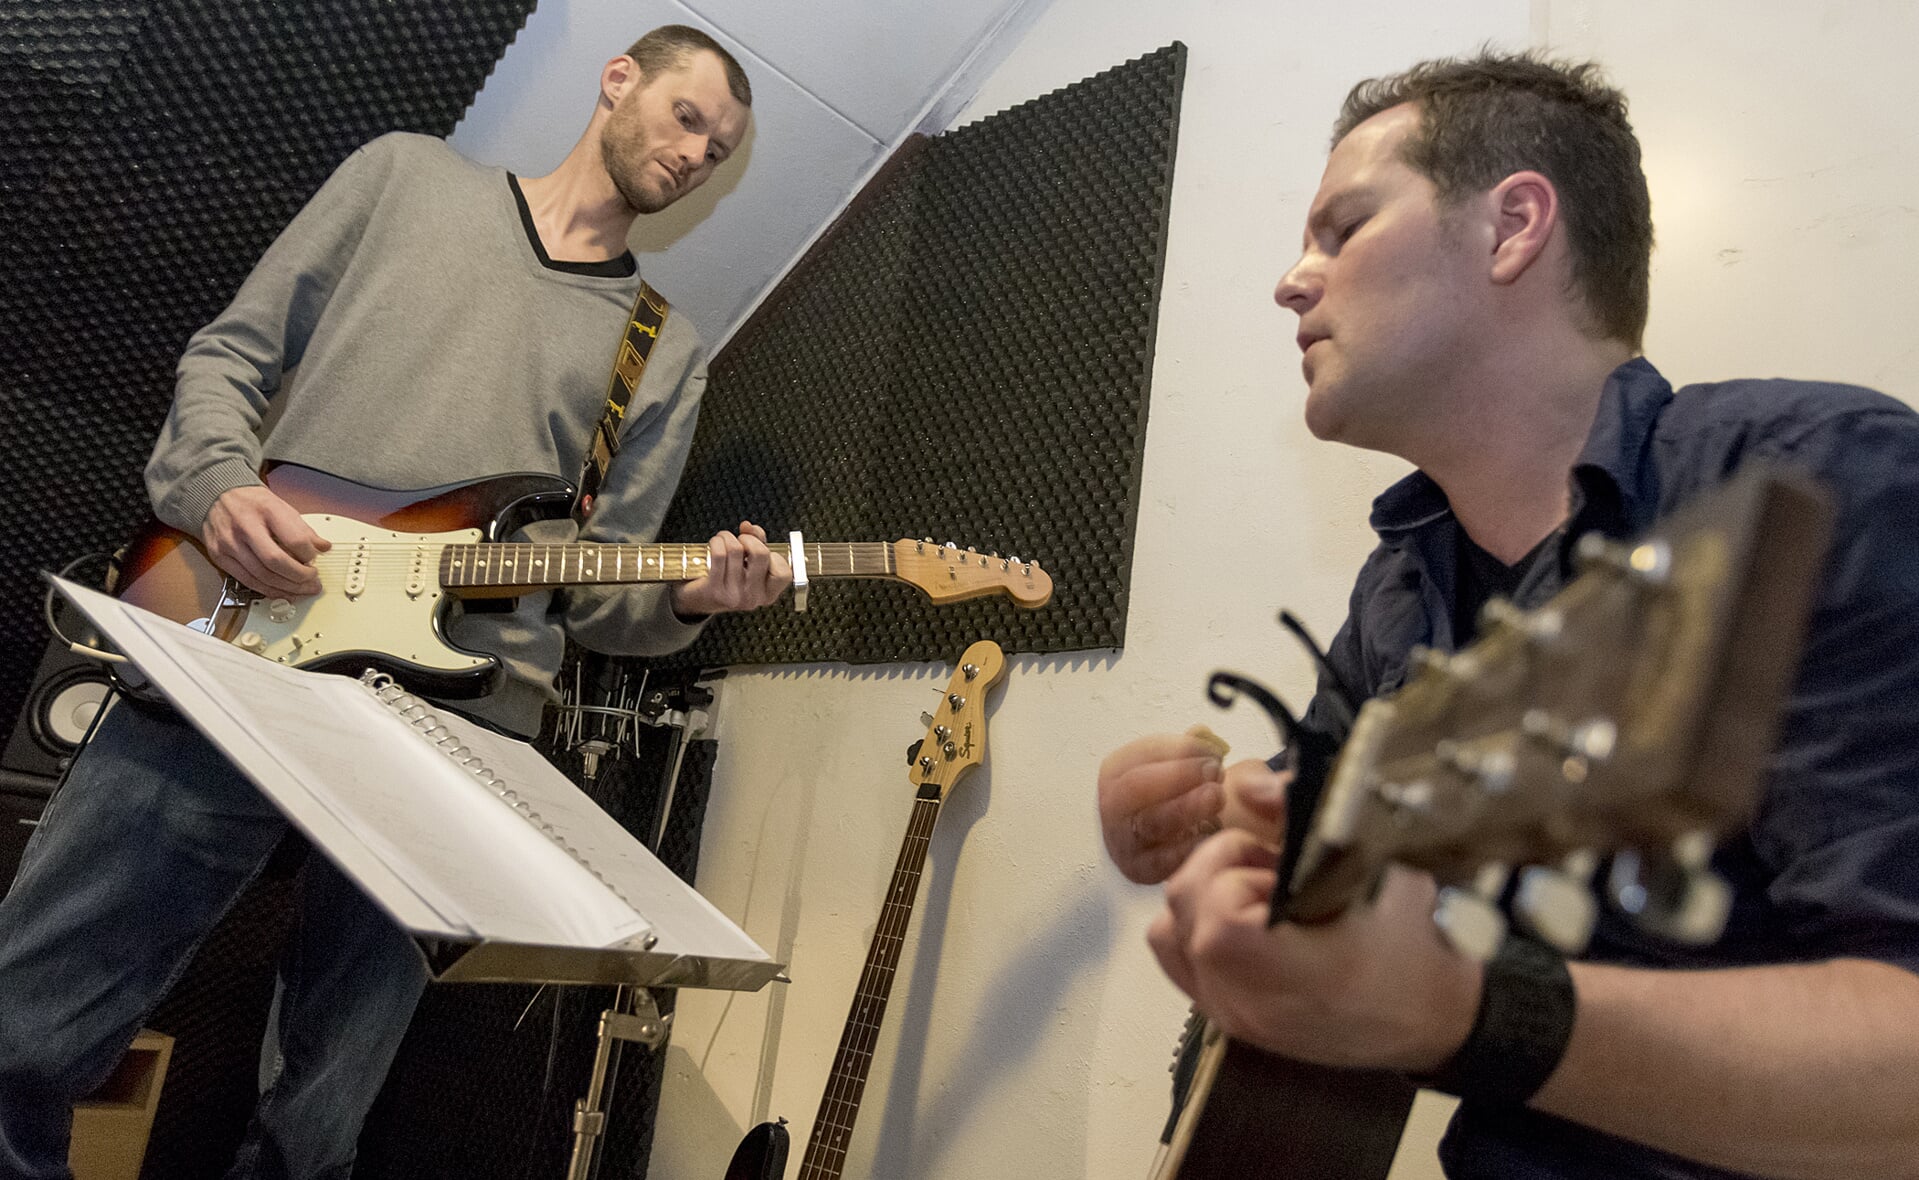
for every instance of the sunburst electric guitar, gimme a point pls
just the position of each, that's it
(1628, 721)
(399, 559)
(955, 743)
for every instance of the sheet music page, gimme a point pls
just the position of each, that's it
(684, 921)
(426, 839)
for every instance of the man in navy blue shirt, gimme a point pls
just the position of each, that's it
(1471, 297)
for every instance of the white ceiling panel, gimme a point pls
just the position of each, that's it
(876, 62)
(715, 250)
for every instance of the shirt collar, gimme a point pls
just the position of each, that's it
(1609, 468)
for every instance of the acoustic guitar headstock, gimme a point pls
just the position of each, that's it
(1631, 717)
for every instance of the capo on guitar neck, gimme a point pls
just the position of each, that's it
(1306, 751)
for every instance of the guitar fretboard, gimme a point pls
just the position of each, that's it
(497, 566)
(833, 1128)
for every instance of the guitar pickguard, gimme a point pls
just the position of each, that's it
(380, 592)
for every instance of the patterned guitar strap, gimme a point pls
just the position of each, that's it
(643, 326)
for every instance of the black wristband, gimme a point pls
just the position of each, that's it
(1525, 1019)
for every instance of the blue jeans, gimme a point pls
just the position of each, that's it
(140, 854)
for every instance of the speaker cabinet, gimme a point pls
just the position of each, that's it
(67, 692)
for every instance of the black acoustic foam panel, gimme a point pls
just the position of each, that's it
(149, 151)
(148, 154)
(965, 356)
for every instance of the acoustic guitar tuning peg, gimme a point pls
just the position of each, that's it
(1686, 903)
(1541, 626)
(1648, 563)
(1473, 925)
(1556, 907)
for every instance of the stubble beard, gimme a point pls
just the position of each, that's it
(625, 172)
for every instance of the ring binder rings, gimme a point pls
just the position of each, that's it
(415, 711)
(500, 867)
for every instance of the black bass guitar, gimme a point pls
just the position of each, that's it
(954, 744)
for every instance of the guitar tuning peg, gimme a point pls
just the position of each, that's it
(1648, 563)
(1491, 770)
(1666, 896)
(1556, 907)
(926, 718)
(913, 751)
(1461, 665)
(1592, 740)
(1473, 925)
(1539, 626)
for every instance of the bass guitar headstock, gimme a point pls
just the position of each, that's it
(947, 573)
(1630, 717)
(955, 740)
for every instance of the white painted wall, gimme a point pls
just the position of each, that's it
(1029, 1031)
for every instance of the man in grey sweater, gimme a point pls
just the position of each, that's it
(423, 321)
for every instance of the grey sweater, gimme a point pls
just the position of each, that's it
(401, 332)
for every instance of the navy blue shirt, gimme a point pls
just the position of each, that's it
(1829, 866)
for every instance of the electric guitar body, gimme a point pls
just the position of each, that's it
(761, 1155)
(383, 605)
(399, 558)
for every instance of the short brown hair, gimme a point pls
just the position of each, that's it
(1481, 119)
(667, 48)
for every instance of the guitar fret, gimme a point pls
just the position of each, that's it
(506, 564)
(846, 1084)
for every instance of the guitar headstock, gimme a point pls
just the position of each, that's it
(947, 573)
(955, 740)
(1633, 715)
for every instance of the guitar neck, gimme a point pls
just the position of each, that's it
(495, 569)
(833, 1128)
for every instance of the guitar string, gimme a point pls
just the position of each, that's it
(505, 561)
(839, 1106)
(391, 553)
(846, 1085)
